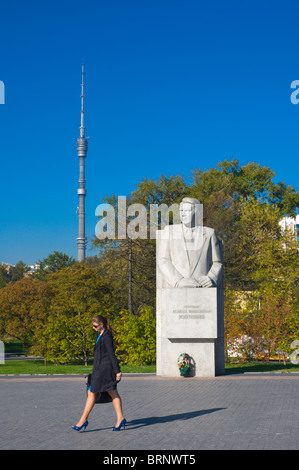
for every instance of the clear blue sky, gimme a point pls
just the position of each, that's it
(171, 86)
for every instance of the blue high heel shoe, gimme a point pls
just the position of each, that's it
(78, 428)
(118, 428)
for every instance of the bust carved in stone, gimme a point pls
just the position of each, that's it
(188, 254)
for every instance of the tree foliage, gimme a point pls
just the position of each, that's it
(12, 273)
(243, 205)
(51, 312)
(268, 323)
(53, 263)
(23, 309)
(79, 294)
(135, 336)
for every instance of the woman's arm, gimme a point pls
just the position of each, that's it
(110, 350)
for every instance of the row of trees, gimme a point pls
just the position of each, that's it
(242, 203)
(53, 317)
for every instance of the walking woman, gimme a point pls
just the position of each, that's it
(105, 374)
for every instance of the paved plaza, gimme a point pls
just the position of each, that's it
(237, 411)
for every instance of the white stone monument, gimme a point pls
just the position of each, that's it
(190, 316)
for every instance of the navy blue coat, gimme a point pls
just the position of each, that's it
(105, 366)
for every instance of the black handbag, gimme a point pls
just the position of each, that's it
(102, 397)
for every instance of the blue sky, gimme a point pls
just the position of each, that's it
(171, 86)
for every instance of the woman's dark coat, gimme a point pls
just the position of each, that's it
(105, 365)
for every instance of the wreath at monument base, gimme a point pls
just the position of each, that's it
(184, 363)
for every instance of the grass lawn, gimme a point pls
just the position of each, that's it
(261, 367)
(38, 366)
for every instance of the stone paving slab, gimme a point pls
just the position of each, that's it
(232, 412)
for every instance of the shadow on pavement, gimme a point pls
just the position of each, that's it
(139, 423)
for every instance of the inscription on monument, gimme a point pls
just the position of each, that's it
(189, 311)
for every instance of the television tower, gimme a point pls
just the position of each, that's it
(82, 151)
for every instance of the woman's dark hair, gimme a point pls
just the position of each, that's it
(105, 320)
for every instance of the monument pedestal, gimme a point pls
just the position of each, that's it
(190, 320)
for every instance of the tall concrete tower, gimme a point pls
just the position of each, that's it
(82, 152)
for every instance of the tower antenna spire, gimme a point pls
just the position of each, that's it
(82, 129)
(82, 152)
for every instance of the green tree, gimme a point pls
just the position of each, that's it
(24, 306)
(17, 272)
(130, 268)
(128, 265)
(165, 190)
(250, 181)
(264, 253)
(294, 319)
(223, 190)
(234, 329)
(135, 337)
(79, 294)
(267, 322)
(4, 276)
(265, 275)
(53, 263)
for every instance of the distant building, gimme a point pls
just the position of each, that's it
(33, 268)
(291, 224)
(7, 265)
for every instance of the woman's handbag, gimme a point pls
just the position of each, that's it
(101, 397)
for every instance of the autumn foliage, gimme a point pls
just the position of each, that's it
(51, 311)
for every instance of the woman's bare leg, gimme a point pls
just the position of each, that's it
(90, 401)
(116, 400)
